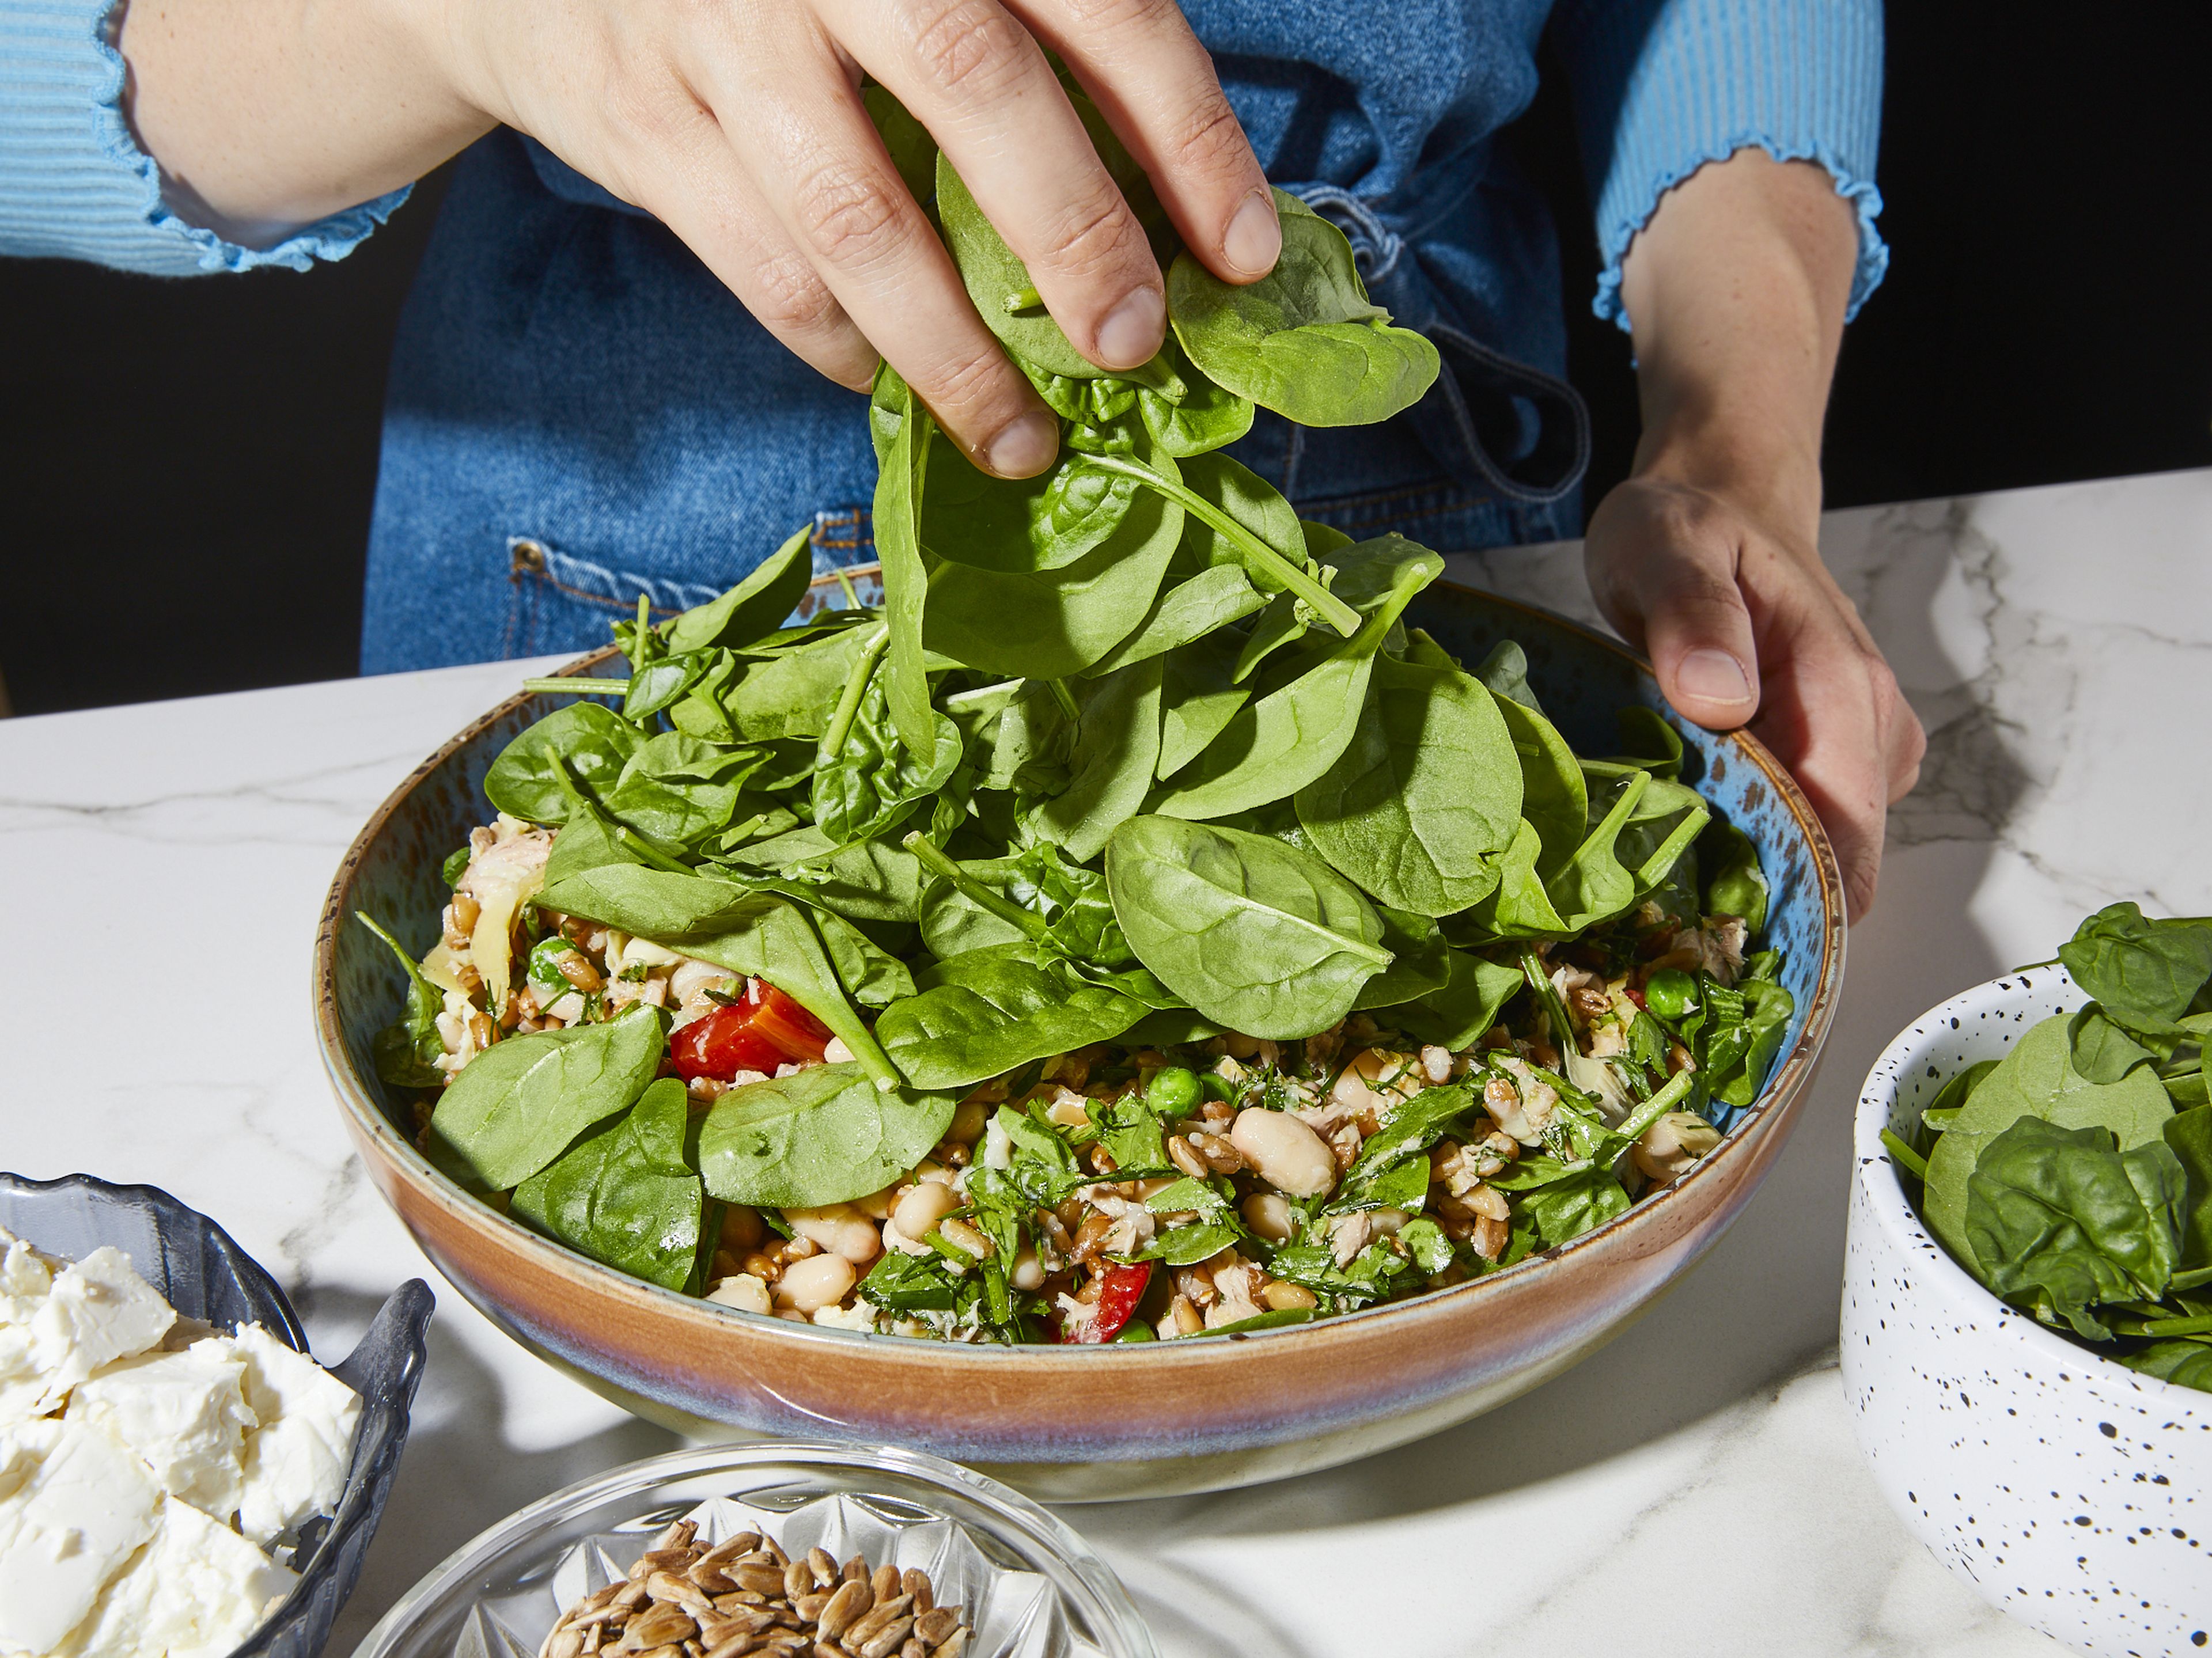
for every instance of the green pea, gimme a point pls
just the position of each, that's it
(545, 957)
(1136, 1329)
(1670, 992)
(1172, 1092)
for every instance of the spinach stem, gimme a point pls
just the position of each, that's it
(652, 856)
(1065, 697)
(1547, 998)
(1905, 1157)
(848, 704)
(1021, 299)
(1657, 1106)
(2178, 1327)
(845, 585)
(577, 685)
(931, 858)
(962, 699)
(1286, 573)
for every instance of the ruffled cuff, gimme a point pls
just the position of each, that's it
(1662, 86)
(73, 183)
(1865, 199)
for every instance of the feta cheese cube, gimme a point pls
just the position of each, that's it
(297, 1459)
(184, 1414)
(54, 1334)
(74, 1506)
(197, 1590)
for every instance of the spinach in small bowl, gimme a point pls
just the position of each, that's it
(2074, 1177)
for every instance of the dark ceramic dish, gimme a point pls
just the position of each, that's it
(1075, 1424)
(203, 1273)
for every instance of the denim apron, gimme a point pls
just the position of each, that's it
(578, 413)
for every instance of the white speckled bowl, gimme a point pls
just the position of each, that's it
(2071, 1492)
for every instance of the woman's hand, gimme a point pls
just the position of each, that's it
(1709, 557)
(740, 126)
(1745, 626)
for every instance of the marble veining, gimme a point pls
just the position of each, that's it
(1693, 1488)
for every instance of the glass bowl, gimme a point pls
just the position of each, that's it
(1030, 1586)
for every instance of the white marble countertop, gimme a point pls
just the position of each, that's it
(1692, 1488)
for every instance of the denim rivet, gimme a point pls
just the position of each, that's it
(528, 557)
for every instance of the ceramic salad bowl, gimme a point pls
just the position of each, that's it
(1070, 1423)
(2071, 1492)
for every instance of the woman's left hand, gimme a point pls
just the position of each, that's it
(1746, 627)
(1709, 557)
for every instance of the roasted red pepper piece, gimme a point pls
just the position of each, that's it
(767, 1030)
(1119, 1290)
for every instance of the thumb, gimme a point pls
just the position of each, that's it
(1697, 631)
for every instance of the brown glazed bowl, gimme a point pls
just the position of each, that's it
(1079, 1424)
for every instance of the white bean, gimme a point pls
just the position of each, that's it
(919, 1210)
(742, 1291)
(840, 1228)
(1285, 1153)
(1027, 1272)
(1269, 1214)
(819, 1281)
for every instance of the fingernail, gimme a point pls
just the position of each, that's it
(1713, 675)
(1024, 445)
(1133, 329)
(1254, 237)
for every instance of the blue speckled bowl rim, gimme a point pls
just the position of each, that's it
(1791, 1075)
(360, 1505)
(1894, 1213)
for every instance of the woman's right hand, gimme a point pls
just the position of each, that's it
(740, 126)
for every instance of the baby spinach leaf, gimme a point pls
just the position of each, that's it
(1650, 742)
(1292, 735)
(1304, 340)
(1578, 1202)
(1226, 482)
(593, 742)
(979, 1015)
(1256, 935)
(2061, 1217)
(2185, 1364)
(1198, 698)
(1052, 624)
(2145, 972)
(793, 692)
(1457, 1015)
(1186, 1246)
(676, 791)
(755, 606)
(1420, 960)
(911, 1284)
(1519, 906)
(993, 276)
(517, 1105)
(624, 1195)
(404, 1051)
(826, 1135)
(913, 151)
(2035, 1079)
(1188, 414)
(2100, 1050)
(1117, 744)
(1422, 803)
(900, 473)
(874, 782)
(1505, 671)
(1190, 609)
(1554, 799)
(2188, 1135)
(1021, 525)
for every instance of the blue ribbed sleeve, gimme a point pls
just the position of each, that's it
(1662, 87)
(74, 184)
